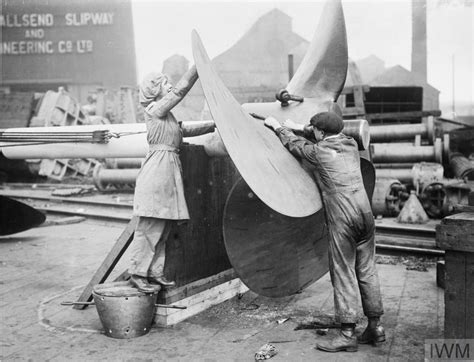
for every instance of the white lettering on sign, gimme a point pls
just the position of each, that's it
(84, 46)
(26, 20)
(65, 46)
(26, 47)
(83, 19)
(34, 33)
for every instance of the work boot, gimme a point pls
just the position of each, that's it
(141, 283)
(374, 333)
(162, 281)
(345, 340)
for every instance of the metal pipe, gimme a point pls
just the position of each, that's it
(392, 132)
(394, 165)
(359, 130)
(401, 174)
(406, 152)
(124, 162)
(104, 177)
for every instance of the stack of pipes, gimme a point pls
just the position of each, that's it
(412, 157)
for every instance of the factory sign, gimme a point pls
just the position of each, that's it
(77, 41)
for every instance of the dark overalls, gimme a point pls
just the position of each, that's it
(349, 219)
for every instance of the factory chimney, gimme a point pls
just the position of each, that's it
(418, 41)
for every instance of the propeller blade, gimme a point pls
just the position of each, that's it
(322, 73)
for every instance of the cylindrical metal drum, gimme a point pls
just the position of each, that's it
(104, 177)
(124, 311)
(406, 152)
(387, 133)
(462, 167)
(401, 174)
(359, 130)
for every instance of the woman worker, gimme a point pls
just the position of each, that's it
(159, 194)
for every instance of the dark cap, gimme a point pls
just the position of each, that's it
(328, 122)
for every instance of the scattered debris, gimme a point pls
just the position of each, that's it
(265, 352)
(318, 322)
(250, 306)
(411, 262)
(74, 191)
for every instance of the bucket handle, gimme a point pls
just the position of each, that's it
(174, 306)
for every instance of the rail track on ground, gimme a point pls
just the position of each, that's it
(390, 237)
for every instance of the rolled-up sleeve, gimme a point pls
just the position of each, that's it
(298, 146)
(191, 129)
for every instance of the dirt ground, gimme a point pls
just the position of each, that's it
(42, 267)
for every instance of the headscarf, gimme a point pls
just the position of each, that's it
(328, 122)
(150, 88)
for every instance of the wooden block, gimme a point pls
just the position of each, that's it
(455, 295)
(456, 232)
(441, 274)
(172, 295)
(199, 302)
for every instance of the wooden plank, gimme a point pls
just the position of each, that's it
(168, 296)
(274, 255)
(271, 171)
(455, 295)
(109, 262)
(199, 302)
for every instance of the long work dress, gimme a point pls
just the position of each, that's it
(159, 191)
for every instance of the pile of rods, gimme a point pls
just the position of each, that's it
(99, 136)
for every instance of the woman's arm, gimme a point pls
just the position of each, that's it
(171, 99)
(197, 128)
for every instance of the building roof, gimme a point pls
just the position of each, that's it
(398, 76)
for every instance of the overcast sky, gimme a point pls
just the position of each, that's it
(378, 27)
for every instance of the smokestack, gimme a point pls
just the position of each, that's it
(418, 41)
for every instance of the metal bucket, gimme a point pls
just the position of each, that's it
(124, 311)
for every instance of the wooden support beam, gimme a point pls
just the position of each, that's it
(109, 262)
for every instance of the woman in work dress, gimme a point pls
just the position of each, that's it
(159, 194)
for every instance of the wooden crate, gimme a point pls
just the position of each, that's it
(455, 234)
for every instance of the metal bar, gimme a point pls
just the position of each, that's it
(173, 306)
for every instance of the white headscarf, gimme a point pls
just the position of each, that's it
(151, 87)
